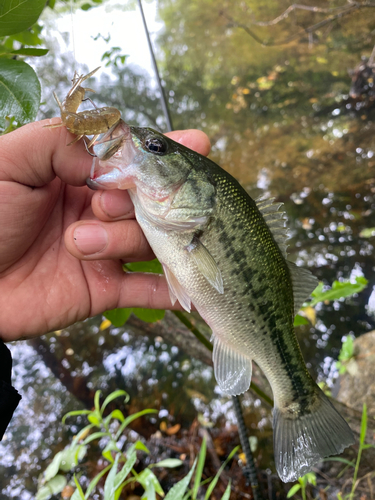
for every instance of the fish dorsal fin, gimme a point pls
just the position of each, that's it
(232, 369)
(176, 291)
(275, 220)
(206, 264)
(303, 284)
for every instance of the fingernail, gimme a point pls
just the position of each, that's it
(90, 238)
(115, 204)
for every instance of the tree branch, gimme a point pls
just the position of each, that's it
(344, 11)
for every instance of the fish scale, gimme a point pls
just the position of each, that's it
(225, 253)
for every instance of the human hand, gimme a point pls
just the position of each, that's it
(62, 245)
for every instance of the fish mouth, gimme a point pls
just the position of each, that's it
(114, 152)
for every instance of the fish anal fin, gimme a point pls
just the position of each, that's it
(275, 220)
(232, 369)
(303, 284)
(176, 291)
(206, 264)
(302, 439)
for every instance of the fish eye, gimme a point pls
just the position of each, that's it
(156, 145)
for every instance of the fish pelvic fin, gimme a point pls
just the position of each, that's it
(303, 438)
(232, 369)
(176, 291)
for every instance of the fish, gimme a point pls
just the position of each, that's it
(225, 253)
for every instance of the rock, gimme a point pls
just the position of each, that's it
(357, 384)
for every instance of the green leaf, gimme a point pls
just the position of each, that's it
(29, 37)
(198, 474)
(130, 419)
(339, 290)
(311, 478)
(82, 432)
(170, 463)
(53, 467)
(108, 455)
(300, 320)
(149, 315)
(114, 395)
(109, 489)
(19, 91)
(369, 232)
(74, 414)
(95, 416)
(52, 487)
(151, 266)
(18, 15)
(339, 459)
(118, 414)
(118, 316)
(86, 6)
(95, 435)
(367, 446)
(43, 493)
(216, 478)
(150, 484)
(362, 435)
(31, 51)
(97, 401)
(96, 479)
(226, 492)
(347, 349)
(80, 494)
(178, 490)
(293, 490)
(71, 456)
(138, 445)
(124, 472)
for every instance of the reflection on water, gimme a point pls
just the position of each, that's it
(282, 121)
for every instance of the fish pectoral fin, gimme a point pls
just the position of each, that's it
(232, 368)
(303, 284)
(206, 264)
(176, 291)
(178, 220)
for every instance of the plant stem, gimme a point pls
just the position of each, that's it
(249, 471)
(351, 496)
(202, 339)
(189, 325)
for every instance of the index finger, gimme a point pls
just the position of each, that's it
(34, 155)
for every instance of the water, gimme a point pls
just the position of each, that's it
(281, 120)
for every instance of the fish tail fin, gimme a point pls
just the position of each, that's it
(305, 432)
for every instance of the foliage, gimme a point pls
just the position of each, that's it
(339, 290)
(346, 354)
(20, 38)
(17, 16)
(362, 446)
(309, 478)
(120, 471)
(119, 316)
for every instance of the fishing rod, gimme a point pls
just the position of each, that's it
(249, 470)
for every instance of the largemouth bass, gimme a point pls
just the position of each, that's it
(226, 254)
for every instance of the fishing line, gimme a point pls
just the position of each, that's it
(72, 31)
(156, 69)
